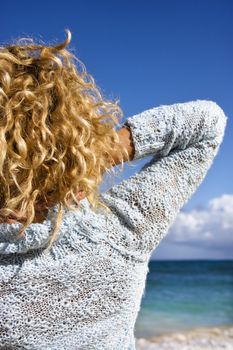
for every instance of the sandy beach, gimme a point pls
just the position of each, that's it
(217, 338)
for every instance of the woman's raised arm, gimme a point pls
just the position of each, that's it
(183, 139)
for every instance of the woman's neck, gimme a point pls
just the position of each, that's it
(41, 212)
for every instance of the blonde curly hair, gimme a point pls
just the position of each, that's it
(57, 131)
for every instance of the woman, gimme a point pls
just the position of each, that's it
(75, 279)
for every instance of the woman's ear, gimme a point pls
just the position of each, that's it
(81, 195)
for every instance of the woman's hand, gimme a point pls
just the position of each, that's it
(126, 139)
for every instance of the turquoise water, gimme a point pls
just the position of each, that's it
(185, 294)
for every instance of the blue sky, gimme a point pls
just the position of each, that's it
(148, 53)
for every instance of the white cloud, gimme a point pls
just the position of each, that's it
(205, 233)
(211, 227)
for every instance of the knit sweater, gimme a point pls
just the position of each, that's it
(85, 293)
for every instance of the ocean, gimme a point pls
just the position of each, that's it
(184, 294)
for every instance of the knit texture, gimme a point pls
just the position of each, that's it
(85, 293)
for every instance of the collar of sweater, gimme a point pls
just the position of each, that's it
(36, 235)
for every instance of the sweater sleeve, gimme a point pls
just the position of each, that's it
(183, 139)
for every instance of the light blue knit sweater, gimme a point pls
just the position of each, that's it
(86, 292)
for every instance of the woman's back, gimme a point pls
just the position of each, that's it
(84, 294)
